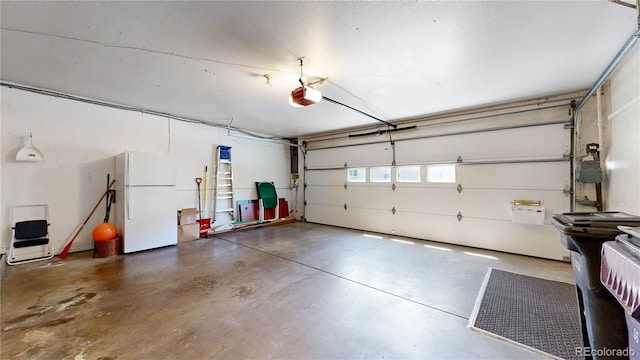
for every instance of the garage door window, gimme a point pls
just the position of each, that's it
(357, 175)
(408, 174)
(381, 174)
(441, 173)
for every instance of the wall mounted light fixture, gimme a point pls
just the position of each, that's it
(29, 153)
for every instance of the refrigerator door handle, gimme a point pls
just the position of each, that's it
(128, 170)
(129, 197)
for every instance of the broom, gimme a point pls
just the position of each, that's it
(63, 254)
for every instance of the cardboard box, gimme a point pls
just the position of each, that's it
(188, 232)
(188, 226)
(187, 216)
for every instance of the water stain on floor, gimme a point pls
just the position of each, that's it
(244, 291)
(62, 305)
(57, 322)
(203, 283)
(74, 301)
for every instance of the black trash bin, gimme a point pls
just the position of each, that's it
(601, 318)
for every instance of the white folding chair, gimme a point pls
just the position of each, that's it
(30, 234)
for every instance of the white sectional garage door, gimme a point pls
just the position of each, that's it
(493, 167)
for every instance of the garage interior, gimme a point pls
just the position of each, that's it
(444, 139)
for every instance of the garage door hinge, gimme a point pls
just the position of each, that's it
(459, 188)
(393, 210)
(305, 185)
(345, 186)
(567, 190)
(568, 126)
(393, 187)
(345, 206)
(345, 164)
(459, 216)
(305, 203)
(459, 160)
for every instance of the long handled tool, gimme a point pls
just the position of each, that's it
(199, 181)
(63, 254)
(204, 198)
(111, 198)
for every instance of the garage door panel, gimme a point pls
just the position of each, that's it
(514, 176)
(328, 195)
(498, 204)
(490, 204)
(424, 226)
(326, 177)
(326, 214)
(370, 219)
(361, 155)
(354, 218)
(534, 240)
(521, 143)
(324, 158)
(377, 197)
(427, 200)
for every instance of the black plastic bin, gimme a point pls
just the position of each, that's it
(601, 317)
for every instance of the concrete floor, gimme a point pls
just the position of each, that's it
(292, 291)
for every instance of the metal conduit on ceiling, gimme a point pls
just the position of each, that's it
(140, 110)
(628, 45)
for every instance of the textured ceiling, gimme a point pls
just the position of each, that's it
(393, 60)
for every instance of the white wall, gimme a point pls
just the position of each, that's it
(79, 141)
(619, 139)
(622, 120)
(586, 132)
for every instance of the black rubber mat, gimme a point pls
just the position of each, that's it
(535, 313)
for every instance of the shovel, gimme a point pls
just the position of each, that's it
(199, 181)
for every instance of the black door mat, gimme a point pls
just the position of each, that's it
(538, 314)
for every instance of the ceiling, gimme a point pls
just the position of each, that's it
(392, 60)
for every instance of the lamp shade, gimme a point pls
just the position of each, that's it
(29, 153)
(303, 96)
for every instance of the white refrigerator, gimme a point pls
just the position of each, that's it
(146, 200)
